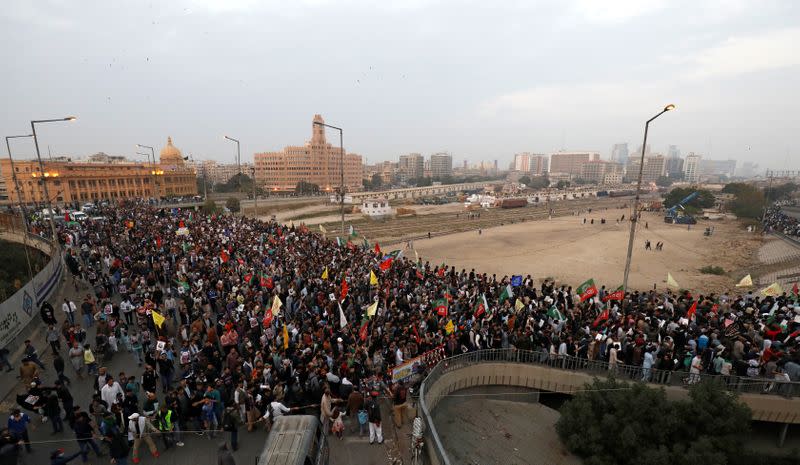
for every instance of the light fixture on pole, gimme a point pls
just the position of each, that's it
(152, 171)
(635, 214)
(341, 168)
(238, 160)
(43, 177)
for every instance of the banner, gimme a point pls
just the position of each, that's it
(404, 371)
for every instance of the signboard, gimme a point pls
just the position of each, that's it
(404, 371)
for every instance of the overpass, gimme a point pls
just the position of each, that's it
(769, 401)
(416, 192)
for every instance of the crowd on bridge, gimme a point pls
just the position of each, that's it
(776, 220)
(234, 322)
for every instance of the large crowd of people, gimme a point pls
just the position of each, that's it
(778, 221)
(234, 322)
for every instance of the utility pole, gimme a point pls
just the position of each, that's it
(255, 197)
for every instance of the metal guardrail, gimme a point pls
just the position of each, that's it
(632, 373)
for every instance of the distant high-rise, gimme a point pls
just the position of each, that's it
(411, 166)
(570, 162)
(654, 167)
(691, 168)
(674, 167)
(747, 170)
(718, 167)
(673, 152)
(441, 165)
(619, 153)
(533, 163)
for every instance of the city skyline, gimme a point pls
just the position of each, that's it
(191, 70)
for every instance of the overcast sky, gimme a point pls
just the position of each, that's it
(479, 79)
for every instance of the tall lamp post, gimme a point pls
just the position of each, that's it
(255, 197)
(635, 215)
(21, 205)
(238, 160)
(341, 168)
(43, 178)
(153, 170)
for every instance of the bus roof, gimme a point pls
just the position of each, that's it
(289, 440)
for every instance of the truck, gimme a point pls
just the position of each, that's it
(513, 203)
(677, 214)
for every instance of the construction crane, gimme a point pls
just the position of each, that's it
(673, 217)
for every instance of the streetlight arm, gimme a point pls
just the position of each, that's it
(327, 126)
(68, 118)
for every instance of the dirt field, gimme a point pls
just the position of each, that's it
(566, 249)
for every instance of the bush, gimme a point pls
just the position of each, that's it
(710, 269)
(233, 205)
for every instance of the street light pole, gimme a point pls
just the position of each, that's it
(21, 205)
(238, 160)
(635, 215)
(255, 197)
(341, 168)
(153, 168)
(42, 177)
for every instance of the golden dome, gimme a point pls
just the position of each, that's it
(170, 155)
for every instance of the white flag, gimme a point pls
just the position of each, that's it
(342, 319)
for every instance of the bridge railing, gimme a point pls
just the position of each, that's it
(741, 384)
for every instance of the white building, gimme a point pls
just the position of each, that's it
(691, 168)
(376, 208)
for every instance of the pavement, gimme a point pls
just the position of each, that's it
(352, 449)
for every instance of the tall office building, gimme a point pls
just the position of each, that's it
(441, 165)
(317, 162)
(691, 167)
(718, 167)
(674, 168)
(411, 166)
(654, 168)
(533, 163)
(597, 171)
(673, 152)
(570, 162)
(619, 153)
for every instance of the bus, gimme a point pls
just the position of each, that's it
(295, 440)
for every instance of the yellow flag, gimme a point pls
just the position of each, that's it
(773, 290)
(157, 318)
(519, 305)
(671, 283)
(285, 337)
(373, 280)
(449, 327)
(372, 309)
(322, 229)
(276, 305)
(747, 281)
(325, 273)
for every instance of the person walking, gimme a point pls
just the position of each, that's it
(139, 429)
(326, 410)
(58, 364)
(69, 308)
(374, 416)
(399, 394)
(231, 423)
(52, 410)
(76, 358)
(118, 447)
(18, 427)
(32, 355)
(54, 339)
(85, 432)
(165, 421)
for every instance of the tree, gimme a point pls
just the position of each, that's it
(377, 181)
(303, 187)
(704, 199)
(562, 184)
(663, 181)
(539, 182)
(233, 205)
(233, 185)
(209, 206)
(525, 180)
(612, 422)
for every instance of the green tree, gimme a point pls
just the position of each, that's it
(209, 206)
(232, 204)
(704, 199)
(525, 180)
(663, 181)
(562, 184)
(303, 187)
(377, 181)
(539, 182)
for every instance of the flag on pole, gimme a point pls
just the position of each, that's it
(322, 229)
(692, 312)
(158, 319)
(516, 280)
(747, 281)
(342, 318)
(481, 306)
(773, 290)
(603, 316)
(363, 332)
(377, 248)
(325, 273)
(373, 280)
(506, 294)
(285, 337)
(618, 294)
(267, 321)
(440, 305)
(449, 327)
(338, 241)
(795, 289)
(276, 305)
(343, 293)
(352, 231)
(518, 305)
(224, 256)
(671, 283)
(553, 313)
(372, 309)
(386, 263)
(587, 290)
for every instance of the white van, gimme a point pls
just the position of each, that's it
(78, 216)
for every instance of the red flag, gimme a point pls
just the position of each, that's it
(270, 283)
(267, 318)
(386, 264)
(377, 248)
(692, 311)
(263, 281)
(158, 242)
(181, 224)
(419, 275)
(440, 272)
(248, 277)
(600, 318)
(343, 294)
(795, 289)
(416, 334)
(441, 307)
(224, 256)
(618, 294)
(362, 333)
(241, 261)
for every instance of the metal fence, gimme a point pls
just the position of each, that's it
(593, 367)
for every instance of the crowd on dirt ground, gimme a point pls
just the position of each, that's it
(233, 322)
(776, 220)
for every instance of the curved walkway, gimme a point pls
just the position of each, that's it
(769, 401)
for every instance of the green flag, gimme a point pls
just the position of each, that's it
(506, 294)
(587, 290)
(555, 314)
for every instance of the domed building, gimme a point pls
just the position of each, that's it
(170, 155)
(174, 177)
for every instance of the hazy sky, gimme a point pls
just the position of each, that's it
(480, 79)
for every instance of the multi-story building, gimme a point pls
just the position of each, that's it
(441, 165)
(83, 181)
(747, 170)
(532, 163)
(654, 168)
(619, 153)
(316, 162)
(717, 167)
(673, 152)
(691, 167)
(220, 173)
(411, 166)
(596, 170)
(570, 162)
(674, 168)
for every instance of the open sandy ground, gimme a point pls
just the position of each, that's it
(566, 249)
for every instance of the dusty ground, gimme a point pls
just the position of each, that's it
(495, 430)
(566, 249)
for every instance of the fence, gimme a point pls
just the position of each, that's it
(428, 400)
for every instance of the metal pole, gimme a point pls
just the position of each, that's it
(635, 215)
(239, 164)
(155, 175)
(56, 244)
(21, 206)
(255, 199)
(341, 165)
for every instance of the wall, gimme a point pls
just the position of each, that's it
(18, 311)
